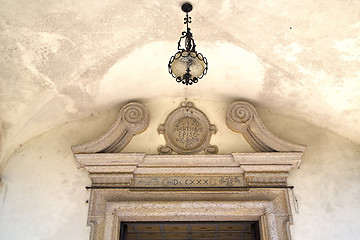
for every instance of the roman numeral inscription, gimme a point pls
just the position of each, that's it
(189, 181)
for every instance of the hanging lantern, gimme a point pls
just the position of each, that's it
(187, 66)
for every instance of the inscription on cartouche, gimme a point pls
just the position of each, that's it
(187, 130)
(188, 133)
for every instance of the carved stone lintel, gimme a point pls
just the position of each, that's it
(152, 173)
(242, 117)
(110, 169)
(141, 170)
(132, 119)
(187, 130)
(235, 187)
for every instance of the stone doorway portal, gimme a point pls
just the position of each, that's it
(181, 184)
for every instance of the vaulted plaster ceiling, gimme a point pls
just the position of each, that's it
(63, 60)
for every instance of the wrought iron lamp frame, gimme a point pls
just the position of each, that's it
(189, 50)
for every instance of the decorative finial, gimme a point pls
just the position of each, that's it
(186, 7)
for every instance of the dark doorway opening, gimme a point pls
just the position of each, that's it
(228, 230)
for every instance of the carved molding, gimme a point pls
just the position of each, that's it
(187, 130)
(271, 207)
(233, 187)
(242, 117)
(157, 187)
(237, 169)
(132, 119)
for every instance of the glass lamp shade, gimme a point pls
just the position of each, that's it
(185, 63)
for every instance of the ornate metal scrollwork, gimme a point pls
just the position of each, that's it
(187, 66)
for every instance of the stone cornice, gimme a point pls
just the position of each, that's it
(254, 169)
(178, 187)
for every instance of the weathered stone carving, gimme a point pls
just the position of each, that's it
(237, 169)
(187, 130)
(234, 187)
(132, 119)
(242, 117)
(137, 187)
(271, 207)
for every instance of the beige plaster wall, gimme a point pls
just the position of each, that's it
(43, 196)
(60, 60)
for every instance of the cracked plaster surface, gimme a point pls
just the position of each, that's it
(63, 60)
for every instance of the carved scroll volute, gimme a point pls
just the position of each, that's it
(132, 119)
(242, 117)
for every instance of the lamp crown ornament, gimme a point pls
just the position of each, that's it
(187, 66)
